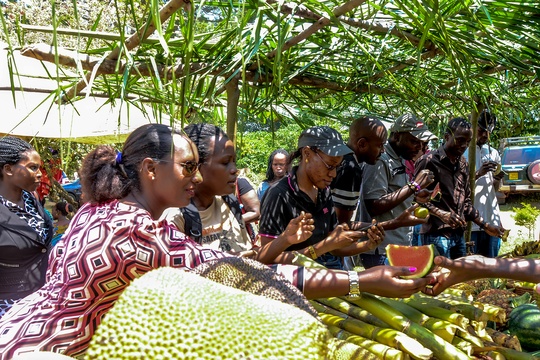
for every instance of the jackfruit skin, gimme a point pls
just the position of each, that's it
(254, 277)
(172, 314)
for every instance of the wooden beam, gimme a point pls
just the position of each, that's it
(322, 22)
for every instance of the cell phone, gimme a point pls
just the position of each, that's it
(365, 228)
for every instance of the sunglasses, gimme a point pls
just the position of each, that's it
(328, 167)
(190, 167)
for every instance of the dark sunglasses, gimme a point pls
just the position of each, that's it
(190, 167)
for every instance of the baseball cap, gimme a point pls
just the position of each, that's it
(487, 121)
(409, 123)
(326, 139)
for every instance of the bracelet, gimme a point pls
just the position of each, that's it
(354, 288)
(413, 185)
(312, 252)
(482, 225)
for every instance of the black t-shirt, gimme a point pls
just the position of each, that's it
(347, 183)
(284, 201)
(243, 185)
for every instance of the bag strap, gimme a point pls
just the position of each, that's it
(192, 222)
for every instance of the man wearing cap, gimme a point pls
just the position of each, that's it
(307, 188)
(449, 213)
(387, 190)
(488, 176)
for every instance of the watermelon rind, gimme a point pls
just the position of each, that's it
(400, 255)
(524, 323)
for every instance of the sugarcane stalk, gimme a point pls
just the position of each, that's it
(509, 354)
(441, 349)
(365, 353)
(459, 299)
(480, 329)
(457, 293)
(442, 328)
(495, 355)
(463, 345)
(345, 350)
(473, 339)
(495, 313)
(429, 308)
(377, 350)
(502, 339)
(470, 311)
(352, 310)
(389, 337)
(303, 260)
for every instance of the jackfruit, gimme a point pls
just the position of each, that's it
(254, 277)
(172, 314)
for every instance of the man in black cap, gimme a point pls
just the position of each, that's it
(488, 176)
(387, 189)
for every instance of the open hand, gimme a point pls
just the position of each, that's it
(299, 229)
(407, 217)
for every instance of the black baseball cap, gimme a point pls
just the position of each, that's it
(326, 139)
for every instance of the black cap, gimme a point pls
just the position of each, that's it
(487, 121)
(326, 139)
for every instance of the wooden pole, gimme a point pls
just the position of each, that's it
(233, 97)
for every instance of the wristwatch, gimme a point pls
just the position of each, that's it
(354, 288)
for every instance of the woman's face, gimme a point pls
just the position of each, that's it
(174, 185)
(25, 174)
(219, 171)
(321, 169)
(279, 165)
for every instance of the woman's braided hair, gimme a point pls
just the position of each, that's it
(12, 150)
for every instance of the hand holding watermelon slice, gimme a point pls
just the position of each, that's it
(419, 257)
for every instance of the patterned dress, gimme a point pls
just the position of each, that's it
(107, 247)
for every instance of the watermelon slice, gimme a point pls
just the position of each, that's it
(436, 193)
(420, 257)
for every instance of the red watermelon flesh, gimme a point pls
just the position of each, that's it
(420, 257)
(436, 193)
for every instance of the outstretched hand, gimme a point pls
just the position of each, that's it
(453, 272)
(386, 281)
(342, 236)
(299, 229)
(407, 217)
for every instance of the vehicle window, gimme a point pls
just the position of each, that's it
(521, 156)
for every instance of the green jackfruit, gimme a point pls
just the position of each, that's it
(172, 314)
(254, 277)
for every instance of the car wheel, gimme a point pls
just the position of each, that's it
(533, 172)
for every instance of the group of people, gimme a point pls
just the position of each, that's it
(166, 199)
